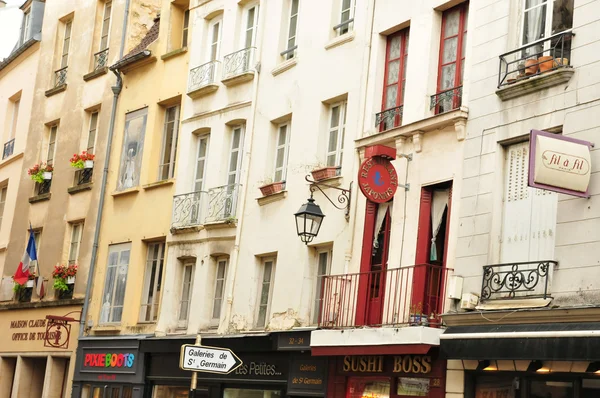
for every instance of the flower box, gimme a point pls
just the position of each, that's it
(70, 280)
(47, 175)
(325, 173)
(82, 160)
(88, 164)
(272, 188)
(40, 172)
(29, 283)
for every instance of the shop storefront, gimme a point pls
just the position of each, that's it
(109, 367)
(274, 365)
(383, 376)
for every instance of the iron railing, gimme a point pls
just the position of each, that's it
(60, 77)
(100, 59)
(398, 296)
(289, 53)
(9, 148)
(446, 100)
(517, 280)
(201, 207)
(344, 27)
(44, 187)
(389, 119)
(238, 62)
(203, 75)
(535, 58)
(84, 176)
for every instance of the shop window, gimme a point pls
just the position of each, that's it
(529, 220)
(496, 386)
(155, 259)
(247, 393)
(170, 392)
(115, 282)
(550, 388)
(132, 149)
(359, 388)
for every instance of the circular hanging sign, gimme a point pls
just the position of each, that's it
(377, 179)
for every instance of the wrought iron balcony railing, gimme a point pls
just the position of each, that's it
(344, 27)
(60, 77)
(535, 58)
(447, 100)
(238, 62)
(394, 297)
(9, 148)
(201, 207)
(203, 75)
(84, 176)
(43, 187)
(100, 59)
(517, 280)
(389, 119)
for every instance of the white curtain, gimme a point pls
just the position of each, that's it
(381, 212)
(438, 205)
(533, 27)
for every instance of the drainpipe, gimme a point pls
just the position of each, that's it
(246, 168)
(116, 89)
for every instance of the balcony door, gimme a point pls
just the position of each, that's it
(371, 283)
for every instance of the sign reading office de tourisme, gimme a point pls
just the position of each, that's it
(198, 358)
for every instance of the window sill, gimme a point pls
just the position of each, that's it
(40, 198)
(333, 181)
(220, 224)
(158, 184)
(285, 65)
(238, 79)
(80, 188)
(271, 198)
(174, 53)
(535, 83)
(95, 74)
(338, 41)
(56, 90)
(202, 91)
(126, 192)
(186, 230)
(107, 328)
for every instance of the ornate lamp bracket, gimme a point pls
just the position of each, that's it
(343, 199)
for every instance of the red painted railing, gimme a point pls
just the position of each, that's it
(397, 296)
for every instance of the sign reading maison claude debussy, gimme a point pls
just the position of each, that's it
(559, 163)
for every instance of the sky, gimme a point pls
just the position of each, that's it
(10, 25)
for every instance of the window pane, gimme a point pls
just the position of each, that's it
(533, 3)
(450, 50)
(448, 76)
(335, 116)
(293, 21)
(333, 136)
(394, 47)
(331, 160)
(267, 273)
(393, 72)
(280, 157)
(132, 149)
(391, 94)
(534, 24)
(452, 19)
(562, 15)
(282, 135)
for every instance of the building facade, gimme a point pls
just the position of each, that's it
(527, 256)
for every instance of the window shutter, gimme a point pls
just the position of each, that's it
(424, 229)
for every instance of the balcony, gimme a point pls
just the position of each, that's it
(447, 100)
(215, 206)
(9, 148)
(536, 66)
(101, 59)
(59, 83)
(389, 119)
(517, 281)
(393, 297)
(237, 67)
(202, 79)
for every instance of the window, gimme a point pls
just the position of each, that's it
(337, 127)
(201, 163)
(105, 26)
(282, 152)
(543, 19)
(115, 283)
(219, 288)
(323, 269)
(215, 40)
(186, 293)
(290, 51)
(186, 28)
(51, 144)
(132, 150)
(346, 17)
(251, 27)
(452, 57)
(155, 259)
(91, 140)
(3, 192)
(395, 79)
(529, 220)
(166, 169)
(75, 242)
(265, 288)
(66, 44)
(235, 155)
(25, 34)
(37, 237)
(14, 118)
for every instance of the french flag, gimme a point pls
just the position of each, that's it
(29, 258)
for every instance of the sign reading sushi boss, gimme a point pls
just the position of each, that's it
(414, 364)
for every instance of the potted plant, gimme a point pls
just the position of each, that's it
(546, 63)
(323, 173)
(417, 318)
(40, 172)
(84, 160)
(268, 187)
(64, 280)
(531, 66)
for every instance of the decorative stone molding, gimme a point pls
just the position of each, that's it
(536, 83)
(418, 141)
(461, 129)
(400, 145)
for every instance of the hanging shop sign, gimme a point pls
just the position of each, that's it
(559, 163)
(377, 179)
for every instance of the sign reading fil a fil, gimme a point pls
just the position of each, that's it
(199, 358)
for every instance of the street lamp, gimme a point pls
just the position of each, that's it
(310, 216)
(308, 220)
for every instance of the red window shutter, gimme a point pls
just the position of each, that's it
(423, 247)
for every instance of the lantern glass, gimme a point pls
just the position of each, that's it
(308, 221)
